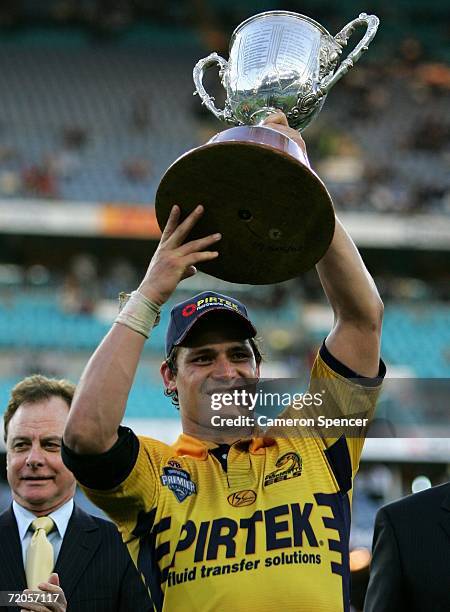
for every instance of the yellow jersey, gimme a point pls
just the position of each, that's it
(266, 529)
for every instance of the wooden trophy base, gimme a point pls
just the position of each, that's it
(274, 213)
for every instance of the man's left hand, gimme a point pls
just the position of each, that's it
(52, 586)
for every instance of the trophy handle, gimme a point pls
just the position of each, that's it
(371, 22)
(198, 72)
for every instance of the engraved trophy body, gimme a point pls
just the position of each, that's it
(256, 184)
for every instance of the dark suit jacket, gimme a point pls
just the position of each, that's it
(410, 569)
(95, 570)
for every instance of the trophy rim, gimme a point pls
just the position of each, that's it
(277, 13)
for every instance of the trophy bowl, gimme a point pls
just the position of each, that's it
(255, 183)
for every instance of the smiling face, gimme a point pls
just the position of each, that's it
(39, 480)
(216, 357)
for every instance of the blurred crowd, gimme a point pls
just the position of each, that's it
(85, 280)
(387, 148)
(381, 142)
(45, 178)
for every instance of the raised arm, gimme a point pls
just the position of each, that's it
(358, 309)
(351, 291)
(101, 396)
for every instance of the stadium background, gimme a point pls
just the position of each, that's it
(96, 102)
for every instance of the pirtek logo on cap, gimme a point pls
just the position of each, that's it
(189, 309)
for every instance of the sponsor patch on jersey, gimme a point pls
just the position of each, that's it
(179, 481)
(247, 497)
(289, 466)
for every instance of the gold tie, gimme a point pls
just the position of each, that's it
(39, 563)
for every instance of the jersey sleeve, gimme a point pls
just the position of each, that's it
(344, 395)
(341, 407)
(104, 470)
(123, 501)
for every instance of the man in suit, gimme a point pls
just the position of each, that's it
(410, 569)
(86, 553)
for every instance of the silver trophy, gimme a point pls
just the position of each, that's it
(255, 183)
(281, 60)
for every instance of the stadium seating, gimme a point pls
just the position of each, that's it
(98, 88)
(417, 336)
(34, 320)
(146, 400)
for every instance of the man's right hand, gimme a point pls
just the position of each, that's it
(175, 260)
(102, 392)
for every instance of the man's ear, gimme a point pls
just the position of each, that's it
(168, 377)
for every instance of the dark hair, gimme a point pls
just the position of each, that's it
(171, 361)
(33, 389)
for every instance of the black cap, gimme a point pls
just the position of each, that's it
(185, 315)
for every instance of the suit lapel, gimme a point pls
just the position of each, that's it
(445, 515)
(12, 572)
(80, 542)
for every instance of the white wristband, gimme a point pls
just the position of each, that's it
(138, 312)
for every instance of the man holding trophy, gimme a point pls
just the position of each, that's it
(256, 184)
(230, 517)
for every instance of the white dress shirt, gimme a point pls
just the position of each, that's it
(24, 519)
